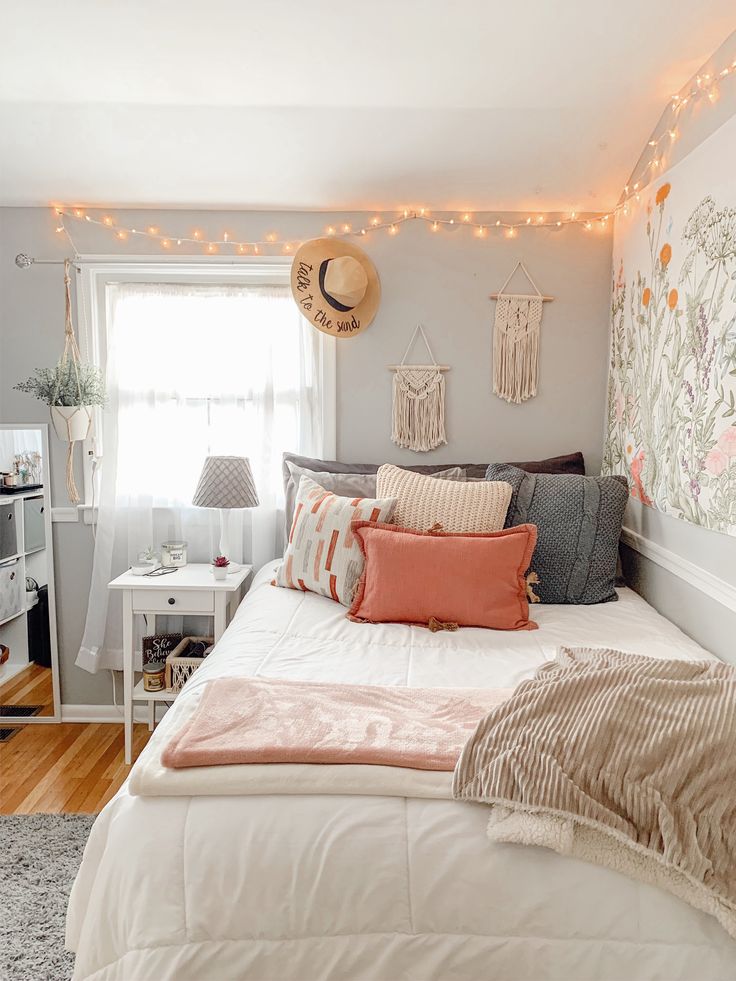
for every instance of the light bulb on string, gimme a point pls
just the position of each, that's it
(121, 234)
(196, 234)
(511, 232)
(435, 226)
(107, 220)
(329, 230)
(375, 221)
(392, 230)
(165, 243)
(346, 228)
(153, 229)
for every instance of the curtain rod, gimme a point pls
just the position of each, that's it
(24, 261)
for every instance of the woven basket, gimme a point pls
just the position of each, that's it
(179, 669)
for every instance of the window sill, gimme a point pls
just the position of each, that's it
(72, 514)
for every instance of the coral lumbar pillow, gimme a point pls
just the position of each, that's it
(423, 502)
(322, 555)
(438, 578)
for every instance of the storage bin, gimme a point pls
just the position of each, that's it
(8, 533)
(179, 668)
(34, 530)
(11, 595)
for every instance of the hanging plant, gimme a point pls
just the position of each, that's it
(71, 390)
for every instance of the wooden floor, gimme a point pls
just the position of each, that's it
(31, 686)
(71, 767)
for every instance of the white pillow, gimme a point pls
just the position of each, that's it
(422, 502)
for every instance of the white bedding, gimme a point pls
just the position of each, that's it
(307, 886)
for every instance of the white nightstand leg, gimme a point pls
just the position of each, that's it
(128, 672)
(151, 716)
(220, 614)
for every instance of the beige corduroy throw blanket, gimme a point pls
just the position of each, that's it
(625, 761)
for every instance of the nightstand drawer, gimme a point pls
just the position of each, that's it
(173, 601)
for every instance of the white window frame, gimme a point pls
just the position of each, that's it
(98, 272)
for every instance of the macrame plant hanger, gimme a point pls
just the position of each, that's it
(516, 340)
(71, 423)
(418, 401)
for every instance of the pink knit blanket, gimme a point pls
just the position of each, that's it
(267, 720)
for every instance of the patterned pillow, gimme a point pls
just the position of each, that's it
(423, 502)
(579, 523)
(322, 555)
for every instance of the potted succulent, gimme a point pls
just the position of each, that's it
(219, 567)
(71, 390)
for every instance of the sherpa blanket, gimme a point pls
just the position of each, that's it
(621, 760)
(269, 720)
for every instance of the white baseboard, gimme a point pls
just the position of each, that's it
(708, 584)
(105, 713)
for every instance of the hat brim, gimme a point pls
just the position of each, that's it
(310, 298)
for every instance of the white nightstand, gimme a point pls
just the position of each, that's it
(190, 590)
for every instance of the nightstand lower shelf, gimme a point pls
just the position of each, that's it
(141, 695)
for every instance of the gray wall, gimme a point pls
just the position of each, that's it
(441, 280)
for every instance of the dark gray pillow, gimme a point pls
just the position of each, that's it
(569, 463)
(578, 523)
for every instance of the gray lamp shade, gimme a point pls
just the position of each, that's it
(226, 482)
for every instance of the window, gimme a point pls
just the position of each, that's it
(216, 361)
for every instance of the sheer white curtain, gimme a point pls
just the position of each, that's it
(195, 370)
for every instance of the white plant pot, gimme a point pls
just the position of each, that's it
(71, 422)
(219, 571)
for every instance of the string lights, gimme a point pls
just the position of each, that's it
(705, 86)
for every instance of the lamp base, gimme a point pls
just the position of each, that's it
(225, 540)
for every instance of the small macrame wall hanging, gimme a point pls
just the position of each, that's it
(418, 401)
(516, 340)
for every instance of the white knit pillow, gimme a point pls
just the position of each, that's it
(422, 502)
(322, 555)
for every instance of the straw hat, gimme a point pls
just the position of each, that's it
(335, 286)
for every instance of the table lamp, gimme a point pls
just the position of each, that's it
(226, 482)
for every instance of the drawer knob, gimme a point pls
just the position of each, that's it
(171, 601)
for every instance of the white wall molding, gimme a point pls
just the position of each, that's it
(717, 589)
(106, 713)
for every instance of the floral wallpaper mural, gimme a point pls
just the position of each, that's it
(672, 380)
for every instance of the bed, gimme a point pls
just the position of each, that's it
(305, 886)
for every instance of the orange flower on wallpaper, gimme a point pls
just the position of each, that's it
(662, 193)
(672, 299)
(646, 296)
(666, 254)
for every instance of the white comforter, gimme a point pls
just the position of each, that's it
(304, 886)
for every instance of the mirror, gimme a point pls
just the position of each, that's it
(29, 683)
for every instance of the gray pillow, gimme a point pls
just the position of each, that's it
(578, 523)
(342, 484)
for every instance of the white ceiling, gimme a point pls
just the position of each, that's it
(333, 104)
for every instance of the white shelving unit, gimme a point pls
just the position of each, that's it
(31, 561)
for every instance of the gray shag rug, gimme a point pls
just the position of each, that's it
(39, 858)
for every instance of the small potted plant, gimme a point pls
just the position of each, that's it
(70, 390)
(219, 567)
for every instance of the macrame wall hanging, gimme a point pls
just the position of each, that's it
(516, 340)
(418, 401)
